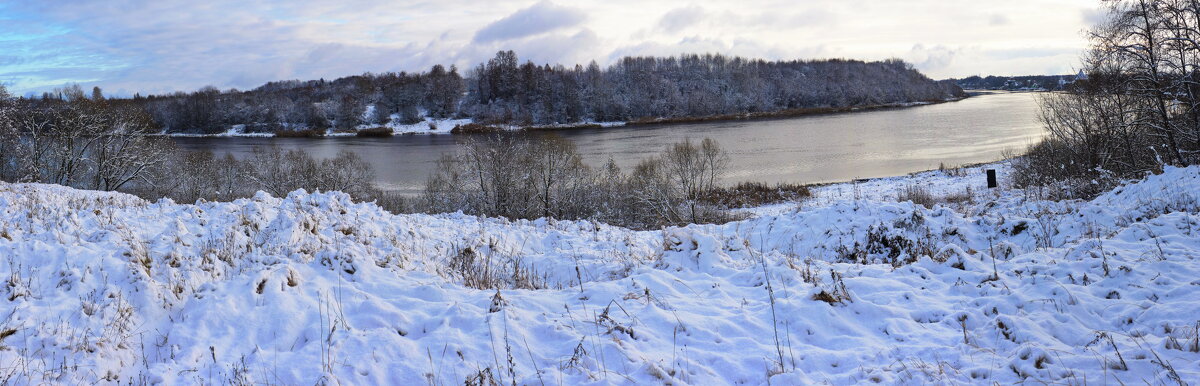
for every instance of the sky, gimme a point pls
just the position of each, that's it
(128, 46)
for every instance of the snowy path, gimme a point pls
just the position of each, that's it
(854, 288)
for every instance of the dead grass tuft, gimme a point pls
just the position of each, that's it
(749, 194)
(299, 133)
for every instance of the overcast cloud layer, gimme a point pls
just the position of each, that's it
(159, 46)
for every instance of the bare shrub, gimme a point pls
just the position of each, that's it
(280, 172)
(669, 189)
(375, 132)
(346, 172)
(390, 201)
(516, 177)
(310, 133)
(1049, 169)
(196, 175)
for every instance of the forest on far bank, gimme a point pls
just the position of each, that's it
(505, 91)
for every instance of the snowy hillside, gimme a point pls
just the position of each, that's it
(854, 288)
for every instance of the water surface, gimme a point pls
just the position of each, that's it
(811, 149)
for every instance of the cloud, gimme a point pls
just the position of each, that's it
(146, 48)
(697, 18)
(551, 48)
(157, 46)
(539, 18)
(678, 19)
(736, 47)
(1031, 52)
(777, 20)
(561, 49)
(1093, 17)
(997, 19)
(932, 58)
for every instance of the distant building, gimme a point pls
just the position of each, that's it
(1081, 75)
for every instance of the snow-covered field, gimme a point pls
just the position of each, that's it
(851, 287)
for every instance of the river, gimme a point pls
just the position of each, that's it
(809, 149)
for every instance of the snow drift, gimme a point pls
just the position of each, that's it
(314, 288)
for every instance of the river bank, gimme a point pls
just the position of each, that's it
(468, 126)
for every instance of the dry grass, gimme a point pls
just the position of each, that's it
(374, 132)
(748, 194)
(836, 292)
(476, 128)
(952, 171)
(919, 195)
(299, 133)
(489, 271)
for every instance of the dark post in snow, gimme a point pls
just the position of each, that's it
(991, 173)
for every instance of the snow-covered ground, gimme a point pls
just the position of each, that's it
(851, 287)
(233, 131)
(967, 181)
(426, 126)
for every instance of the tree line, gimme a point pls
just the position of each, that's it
(992, 82)
(1138, 109)
(504, 90)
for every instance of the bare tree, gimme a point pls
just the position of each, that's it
(124, 154)
(1136, 33)
(560, 175)
(693, 169)
(1138, 108)
(715, 161)
(9, 140)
